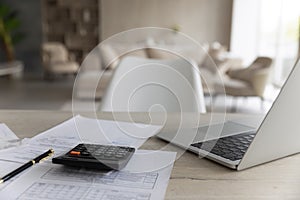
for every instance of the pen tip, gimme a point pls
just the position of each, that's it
(1, 181)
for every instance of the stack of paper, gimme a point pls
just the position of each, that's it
(7, 137)
(141, 179)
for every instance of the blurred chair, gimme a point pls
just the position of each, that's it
(56, 60)
(144, 85)
(249, 81)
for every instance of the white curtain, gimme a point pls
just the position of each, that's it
(267, 28)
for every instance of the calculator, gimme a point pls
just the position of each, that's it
(96, 156)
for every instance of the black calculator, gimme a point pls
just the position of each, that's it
(96, 156)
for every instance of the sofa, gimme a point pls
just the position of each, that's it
(98, 67)
(56, 60)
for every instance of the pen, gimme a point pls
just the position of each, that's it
(43, 156)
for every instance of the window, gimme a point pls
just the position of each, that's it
(272, 29)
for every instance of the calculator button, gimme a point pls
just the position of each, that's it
(96, 156)
(75, 153)
(70, 158)
(85, 153)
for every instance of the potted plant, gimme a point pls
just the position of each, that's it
(9, 36)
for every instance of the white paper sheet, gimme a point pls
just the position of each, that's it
(81, 130)
(51, 182)
(6, 133)
(7, 137)
(5, 168)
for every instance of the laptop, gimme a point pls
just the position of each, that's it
(276, 137)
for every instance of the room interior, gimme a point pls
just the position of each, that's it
(149, 99)
(59, 34)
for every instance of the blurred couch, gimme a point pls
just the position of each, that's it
(248, 81)
(100, 64)
(56, 60)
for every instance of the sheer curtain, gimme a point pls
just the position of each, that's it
(267, 28)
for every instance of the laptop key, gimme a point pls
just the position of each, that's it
(231, 147)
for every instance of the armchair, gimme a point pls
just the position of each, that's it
(249, 81)
(56, 59)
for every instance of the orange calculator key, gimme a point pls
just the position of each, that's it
(75, 152)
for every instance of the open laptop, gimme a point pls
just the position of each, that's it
(277, 136)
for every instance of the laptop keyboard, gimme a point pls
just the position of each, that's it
(231, 147)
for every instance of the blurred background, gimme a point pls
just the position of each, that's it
(43, 43)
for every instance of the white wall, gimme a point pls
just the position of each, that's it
(204, 20)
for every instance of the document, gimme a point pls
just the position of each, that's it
(6, 133)
(5, 168)
(141, 179)
(77, 130)
(7, 137)
(50, 182)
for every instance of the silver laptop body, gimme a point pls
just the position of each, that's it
(277, 136)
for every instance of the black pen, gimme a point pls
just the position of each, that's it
(27, 165)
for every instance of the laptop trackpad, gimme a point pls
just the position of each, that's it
(220, 130)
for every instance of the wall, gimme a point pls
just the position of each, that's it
(204, 20)
(29, 50)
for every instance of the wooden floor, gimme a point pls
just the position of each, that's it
(35, 93)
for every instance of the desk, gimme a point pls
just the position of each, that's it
(191, 178)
